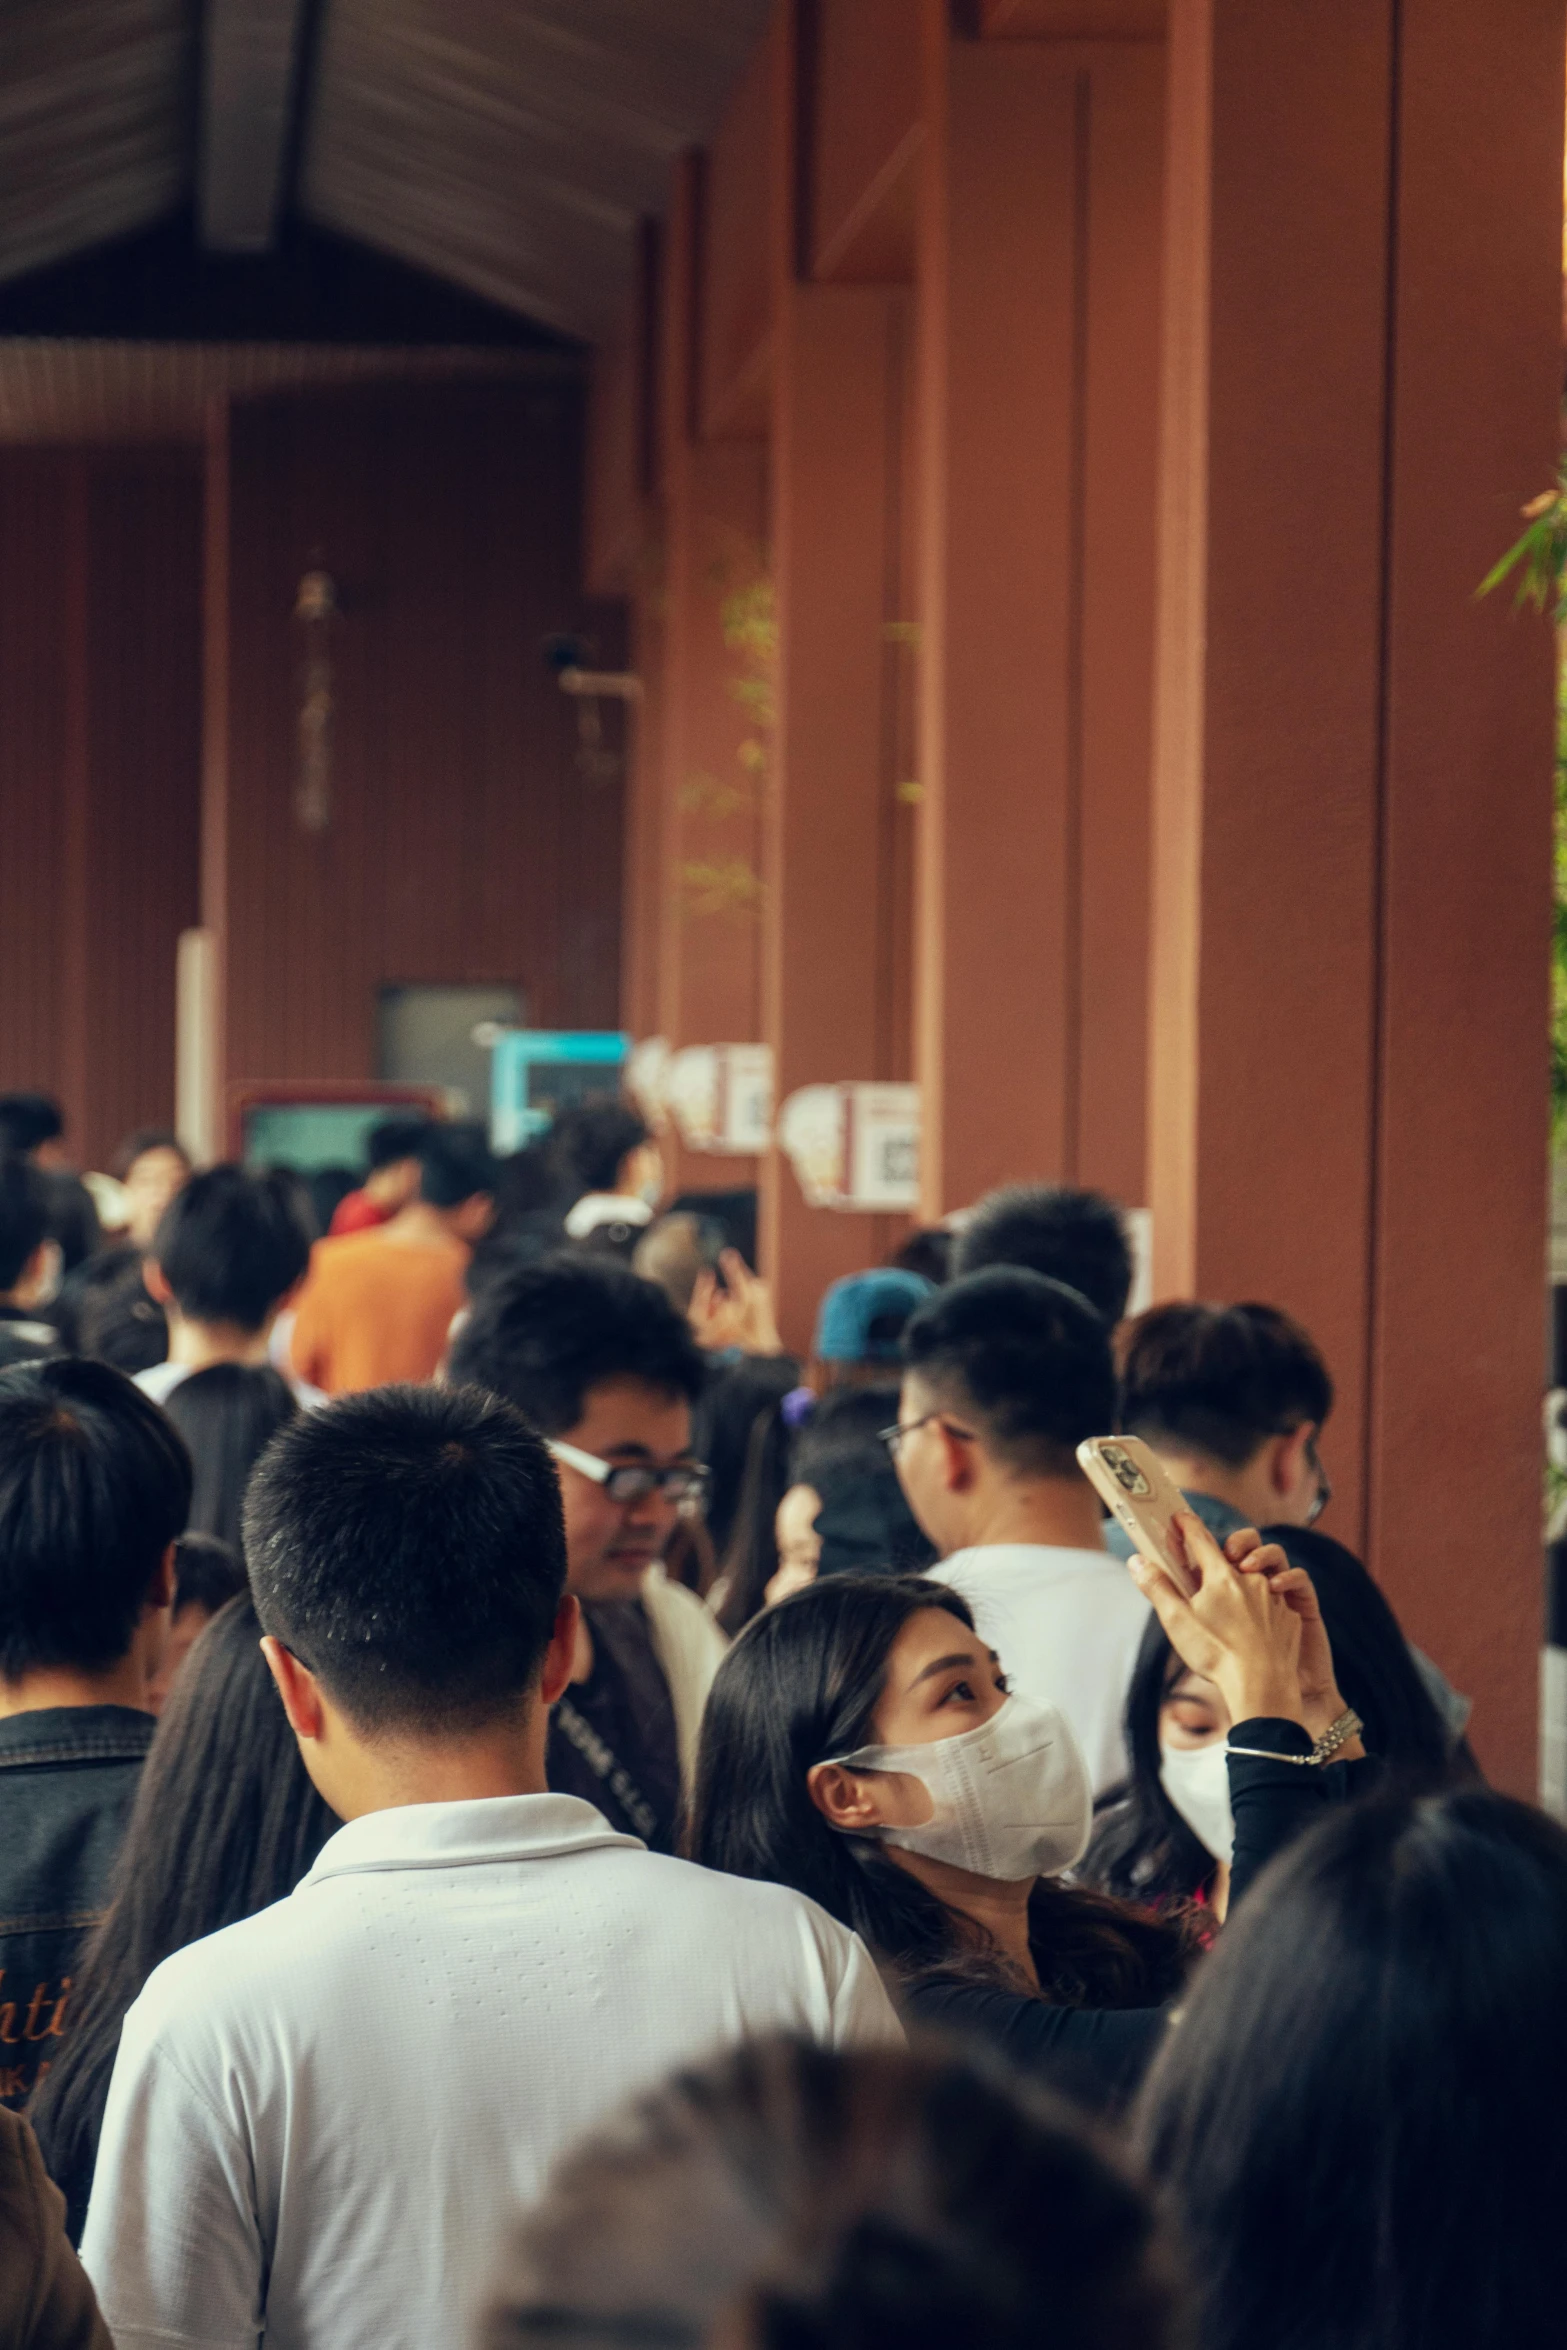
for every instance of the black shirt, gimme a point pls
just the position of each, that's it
(1099, 2055)
(612, 1736)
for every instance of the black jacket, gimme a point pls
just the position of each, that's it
(67, 1780)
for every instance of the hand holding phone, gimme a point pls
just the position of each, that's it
(1138, 1489)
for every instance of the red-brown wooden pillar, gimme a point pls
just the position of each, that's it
(712, 746)
(840, 404)
(1353, 762)
(1039, 275)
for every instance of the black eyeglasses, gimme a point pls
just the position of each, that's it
(685, 1482)
(1324, 1492)
(893, 1437)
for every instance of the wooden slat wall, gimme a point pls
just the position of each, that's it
(99, 686)
(464, 844)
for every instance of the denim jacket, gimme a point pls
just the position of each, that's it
(67, 1780)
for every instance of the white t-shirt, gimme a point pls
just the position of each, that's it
(159, 1380)
(323, 2119)
(1066, 1625)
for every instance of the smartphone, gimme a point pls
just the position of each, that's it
(1135, 1484)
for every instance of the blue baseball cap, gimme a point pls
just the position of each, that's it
(886, 1298)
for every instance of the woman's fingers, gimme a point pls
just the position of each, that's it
(1241, 1544)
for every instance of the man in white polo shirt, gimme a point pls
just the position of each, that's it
(322, 2118)
(1005, 1373)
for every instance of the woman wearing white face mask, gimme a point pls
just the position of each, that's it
(860, 1746)
(1168, 1837)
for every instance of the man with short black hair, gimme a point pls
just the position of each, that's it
(1005, 1373)
(1078, 1237)
(226, 1260)
(94, 1489)
(604, 1365)
(32, 1126)
(378, 1307)
(1234, 1399)
(321, 2118)
(29, 1262)
(611, 1173)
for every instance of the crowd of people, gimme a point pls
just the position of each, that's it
(533, 1814)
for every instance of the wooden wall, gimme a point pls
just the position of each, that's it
(464, 845)
(100, 679)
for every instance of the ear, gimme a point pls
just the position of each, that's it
(959, 1466)
(842, 1797)
(561, 1652)
(156, 1286)
(160, 1591)
(1287, 1459)
(296, 1685)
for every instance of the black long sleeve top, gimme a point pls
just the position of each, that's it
(1098, 2055)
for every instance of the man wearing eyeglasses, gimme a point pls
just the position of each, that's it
(607, 1370)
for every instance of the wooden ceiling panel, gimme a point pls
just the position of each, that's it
(513, 144)
(93, 122)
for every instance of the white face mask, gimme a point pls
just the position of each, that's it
(1011, 1798)
(1197, 1781)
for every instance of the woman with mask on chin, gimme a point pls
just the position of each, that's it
(861, 1746)
(1167, 1837)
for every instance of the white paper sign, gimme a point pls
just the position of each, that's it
(647, 1078)
(884, 1147)
(854, 1147)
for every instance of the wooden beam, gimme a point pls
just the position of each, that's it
(249, 88)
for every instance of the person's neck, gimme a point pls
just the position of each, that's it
(124, 1683)
(1061, 1512)
(1242, 1490)
(199, 1346)
(418, 1225)
(984, 1910)
(392, 1774)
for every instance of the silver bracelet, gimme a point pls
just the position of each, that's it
(1349, 1725)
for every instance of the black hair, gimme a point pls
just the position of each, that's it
(928, 1250)
(408, 1545)
(842, 1429)
(208, 1573)
(137, 1144)
(94, 1486)
(455, 1162)
(1358, 2124)
(1078, 1237)
(1143, 1850)
(28, 1119)
(228, 1415)
(786, 2196)
(324, 1190)
(736, 1395)
(801, 1685)
(391, 1140)
(231, 1245)
(589, 1142)
(1028, 1357)
(24, 1217)
(224, 1823)
(1220, 1380)
(544, 1336)
(113, 1318)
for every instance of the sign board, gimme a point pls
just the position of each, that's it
(721, 1097)
(536, 1073)
(854, 1147)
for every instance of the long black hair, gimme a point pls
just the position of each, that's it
(228, 1416)
(1359, 2122)
(800, 1686)
(224, 1823)
(1143, 1850)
